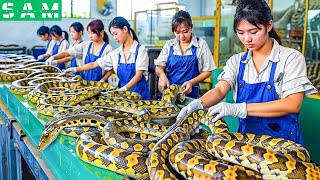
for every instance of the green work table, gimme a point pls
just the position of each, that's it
(60, 157)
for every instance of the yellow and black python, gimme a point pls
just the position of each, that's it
(262, 156)
(256, 156)
(28, 69)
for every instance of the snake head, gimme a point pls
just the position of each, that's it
(47, 137)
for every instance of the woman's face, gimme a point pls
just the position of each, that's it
(55, 37)
(45, 37)
(251, 36)
(119, 35)
(183, 33)
(93, 36)
(74, 34)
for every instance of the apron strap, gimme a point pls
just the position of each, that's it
(119, 57)
(194, 50)
(272, 72)
(136, 54)
(171, 51)
(88, 52)
(49, 43)
(102, 49)
(242, 66)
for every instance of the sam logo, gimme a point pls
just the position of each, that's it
(30, 10)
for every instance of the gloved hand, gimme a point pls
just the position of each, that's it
(51, 62)
(193, 106)
(197, 130)
(40, 57)
(71, 70)
(227, 109)
(123, 88)
(102, 80)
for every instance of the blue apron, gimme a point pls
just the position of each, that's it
(286, 127)
(74, 64)
(55, 50)
(183, 68)
(96, 73)
(126, 72)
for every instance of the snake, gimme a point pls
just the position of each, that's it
(163, 109)
(263, 156)
(24, 86)
(141, 116)
(253, 156)
(144, 110)
(15, 74)
(27, 70)
(74, 86)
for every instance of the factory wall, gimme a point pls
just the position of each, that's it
(24, 33)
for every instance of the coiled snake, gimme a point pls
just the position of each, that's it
(255, 156)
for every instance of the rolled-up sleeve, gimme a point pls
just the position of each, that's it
(142, 62)
(105, 62)
(63, 46)
(76, 50)
(295, 77)
(206, 58)
(107, 50)
(230, 71)
(50, 47)
(163, 56)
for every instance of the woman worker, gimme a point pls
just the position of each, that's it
(58, 44)
(129, 61)
(44, 34)
(76, 32)
(269, 80)
(90, 50)
(185, 60)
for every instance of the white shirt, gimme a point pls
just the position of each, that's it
(204, 55)
(77, 56)
(111, 60)
(290, 75)
(64, 45)
(82, 50)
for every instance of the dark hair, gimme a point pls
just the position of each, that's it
(96, 26)
(43, 30)
(181, 17)
(255, 12)
(77, 26)
(56, 31)
(120, 22)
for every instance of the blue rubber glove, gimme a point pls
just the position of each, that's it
(226, 109)
(193, 106)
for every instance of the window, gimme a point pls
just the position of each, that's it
(76, 8)
(127, 8)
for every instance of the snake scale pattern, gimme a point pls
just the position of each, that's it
(119, 132)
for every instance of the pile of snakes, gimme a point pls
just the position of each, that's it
(140, 139)
(124, 139)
